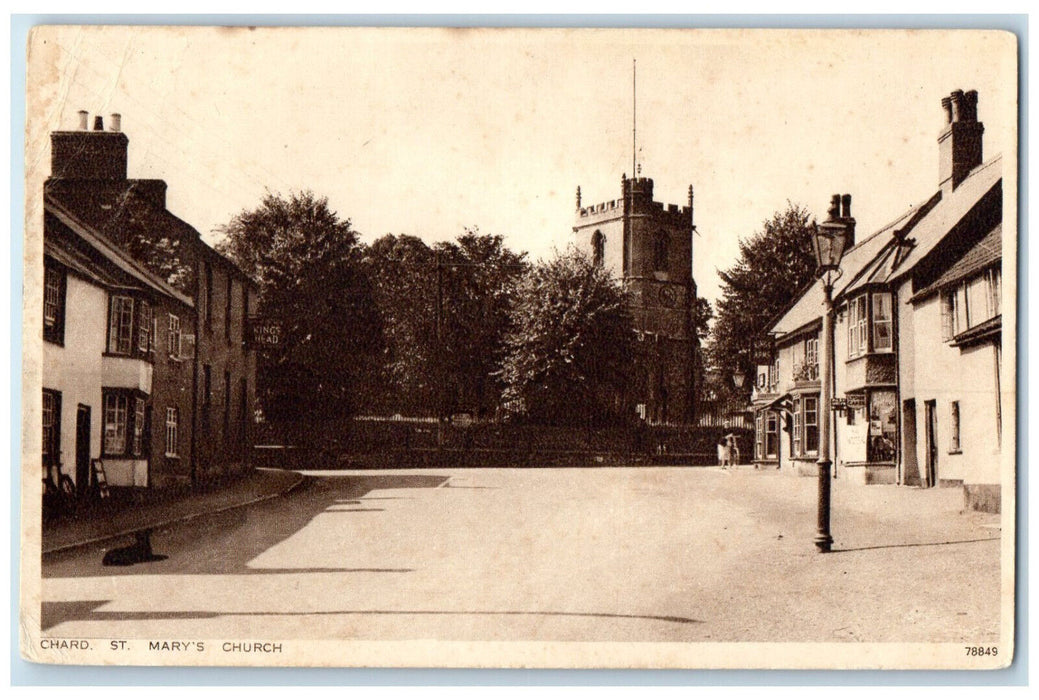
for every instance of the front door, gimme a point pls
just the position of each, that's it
(82, 449)
(931, 425)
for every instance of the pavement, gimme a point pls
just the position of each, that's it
(159, 511)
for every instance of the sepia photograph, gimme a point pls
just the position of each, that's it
(520, 347)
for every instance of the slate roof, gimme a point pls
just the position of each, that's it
(884, 257)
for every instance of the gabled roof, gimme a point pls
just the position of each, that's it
(895, 249)
(808, 308)
(110, 253)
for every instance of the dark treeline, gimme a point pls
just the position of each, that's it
(403, 327)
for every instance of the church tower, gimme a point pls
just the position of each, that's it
(649, 247)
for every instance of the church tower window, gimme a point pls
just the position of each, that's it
(598, 248)
(660, 246)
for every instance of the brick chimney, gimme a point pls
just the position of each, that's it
(959, 144)
(90, 154)
(840, 212)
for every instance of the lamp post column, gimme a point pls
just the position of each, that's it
(823, 540)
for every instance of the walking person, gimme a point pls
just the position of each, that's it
(723, 452)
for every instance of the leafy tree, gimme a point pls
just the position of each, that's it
(307, 263)
(774, 265)
(570, 352)
(444, 311)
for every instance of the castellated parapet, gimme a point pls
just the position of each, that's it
(648, 246)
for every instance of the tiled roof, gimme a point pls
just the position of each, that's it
(116, 208)
(985, 253)
(80, 263)
(111, 253)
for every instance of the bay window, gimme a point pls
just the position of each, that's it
(120, 325)
(811, 423)
(124, 419)
(883, 339)
(870, 324)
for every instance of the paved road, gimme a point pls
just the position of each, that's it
(652, 554)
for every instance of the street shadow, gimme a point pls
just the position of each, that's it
(911, 544)
(224, 543)
(54, 614)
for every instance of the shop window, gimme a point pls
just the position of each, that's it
(53, 305)
(883, 426)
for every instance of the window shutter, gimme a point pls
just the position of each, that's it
(187, 346)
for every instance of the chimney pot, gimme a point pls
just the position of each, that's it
(83, 117)
(834, 212)
(99, 123)
(846, 206)
(116, 121)
(947, 106)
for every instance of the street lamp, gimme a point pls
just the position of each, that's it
(737, 378)
(829, 239)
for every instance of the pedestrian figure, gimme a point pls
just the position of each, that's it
(733, 449)
(723, 452)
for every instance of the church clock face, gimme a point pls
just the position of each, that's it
(668, 296)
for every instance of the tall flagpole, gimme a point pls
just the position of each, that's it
(633, 113)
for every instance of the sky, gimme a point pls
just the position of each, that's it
(429, 132)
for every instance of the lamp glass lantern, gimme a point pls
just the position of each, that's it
(737, 378)
(830, 239)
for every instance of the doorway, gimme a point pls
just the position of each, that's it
(910, 468)
(931, 430)
(83, 449)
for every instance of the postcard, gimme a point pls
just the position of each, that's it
(520, 347)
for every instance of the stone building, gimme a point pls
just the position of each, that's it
(649, 246)
(919, 383)
(89, 183)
